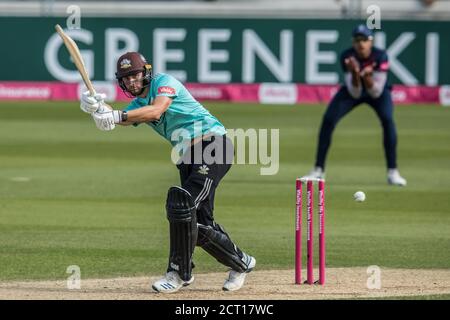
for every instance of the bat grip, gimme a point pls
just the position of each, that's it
(91, 90)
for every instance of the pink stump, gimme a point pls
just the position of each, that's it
(309, 243)
(298, 232)
(321, 232)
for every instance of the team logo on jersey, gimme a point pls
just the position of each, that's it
(203, 169)
(167, 90)
(125, 63)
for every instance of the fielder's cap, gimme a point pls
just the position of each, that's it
(362, 31)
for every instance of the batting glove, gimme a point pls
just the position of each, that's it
(91, 104)
(106, 121)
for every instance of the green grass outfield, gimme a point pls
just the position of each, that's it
(96, 199)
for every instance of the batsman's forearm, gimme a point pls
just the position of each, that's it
(125, 123)
(144, 114)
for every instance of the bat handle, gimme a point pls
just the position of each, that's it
(92, 90)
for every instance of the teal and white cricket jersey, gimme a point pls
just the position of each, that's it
(184, 113)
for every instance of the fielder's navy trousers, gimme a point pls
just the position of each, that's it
(341, 104)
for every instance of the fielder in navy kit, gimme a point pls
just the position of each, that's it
(365, 81)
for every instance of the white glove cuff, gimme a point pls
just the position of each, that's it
(119, 116)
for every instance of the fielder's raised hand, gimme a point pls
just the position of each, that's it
(368, 70)
(352, 65)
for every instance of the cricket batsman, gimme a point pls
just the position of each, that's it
(365, 81)
(164, 104)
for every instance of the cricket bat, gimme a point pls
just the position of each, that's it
(76, 57)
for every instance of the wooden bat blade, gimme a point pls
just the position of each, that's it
(74, 52)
